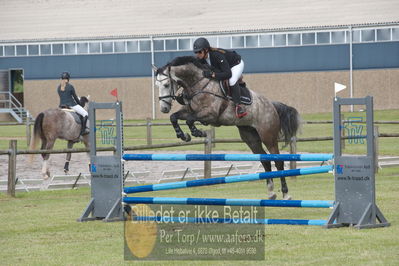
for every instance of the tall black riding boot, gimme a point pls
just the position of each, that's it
(84, 130)
(236, 94)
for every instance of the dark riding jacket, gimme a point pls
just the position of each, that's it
(68, 96)
(222, 61)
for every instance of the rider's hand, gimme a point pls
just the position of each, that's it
(207, 73)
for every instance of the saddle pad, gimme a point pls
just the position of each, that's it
(76, 116)
(245, 98)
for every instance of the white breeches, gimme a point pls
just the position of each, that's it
(236, 72)
(79, 109)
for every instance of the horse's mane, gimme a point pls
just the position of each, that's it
(183, 60)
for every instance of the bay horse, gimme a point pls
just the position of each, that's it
(53, 124)
(203, 101)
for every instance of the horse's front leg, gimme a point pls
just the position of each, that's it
(68, 157)
(182, 115)
(194, 130)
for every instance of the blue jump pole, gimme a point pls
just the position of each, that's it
(231, 202)
(229, 179)
(227, 157)
(168, 219)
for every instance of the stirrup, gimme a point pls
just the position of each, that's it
(240, 112)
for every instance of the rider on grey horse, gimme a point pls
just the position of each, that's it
(69, 99)
(224, 65)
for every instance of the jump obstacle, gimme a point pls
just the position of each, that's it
(354, 179)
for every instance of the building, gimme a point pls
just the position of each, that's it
(293, 51)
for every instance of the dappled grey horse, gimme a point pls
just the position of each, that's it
(203, 101)
(54, 124)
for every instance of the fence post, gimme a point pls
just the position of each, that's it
(208, 150)
(28, 136)
(376, 147)
(213, 136)
(293, 150)
(12, 165)
(149, 131)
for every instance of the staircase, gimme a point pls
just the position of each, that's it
(9, 104)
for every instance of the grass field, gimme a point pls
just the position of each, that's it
(40, 228)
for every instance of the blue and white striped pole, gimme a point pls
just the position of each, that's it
(231, 202)
(228, 157)
(229, 179)
(168, 219)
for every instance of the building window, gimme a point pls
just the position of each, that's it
(83, 48)
(356, 36)
(294, 39)
(94, 48)
(383, 34)
(132, 46)
(266, 40)
(171, 45)
(395, 34)
(145, 46)
(120, 47)
(237, 41)
(33, 49)
(58, 48)
(338, 37)
(213, 41)
(280, 39)
(368, 35)
(184, 44)
(70, 48)
(251, 41)
(45, 49)
(159, 45)
(22, 50)
(308, 38)
(9, 50)
(323, 37)
(225, 42)
(107, 47)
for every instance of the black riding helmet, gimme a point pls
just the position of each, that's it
(65, 75)
(200, 44)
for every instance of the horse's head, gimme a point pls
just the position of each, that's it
(83, 101)
(183, 71)
(166, 87)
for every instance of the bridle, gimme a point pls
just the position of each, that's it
(187, 97)
(172, 88)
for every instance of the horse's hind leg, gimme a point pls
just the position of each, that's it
(46, 145)
(251, 137)
(45, 156)
(272, 146)
(68, 157)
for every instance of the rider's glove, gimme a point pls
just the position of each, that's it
(207, 74)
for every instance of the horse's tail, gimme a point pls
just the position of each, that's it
(290, 121)
(37, 133)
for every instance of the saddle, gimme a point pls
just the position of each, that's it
(77, 117)
(245, 98)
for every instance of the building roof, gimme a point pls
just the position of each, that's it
(43, 20)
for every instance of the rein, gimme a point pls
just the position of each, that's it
(187, 97)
